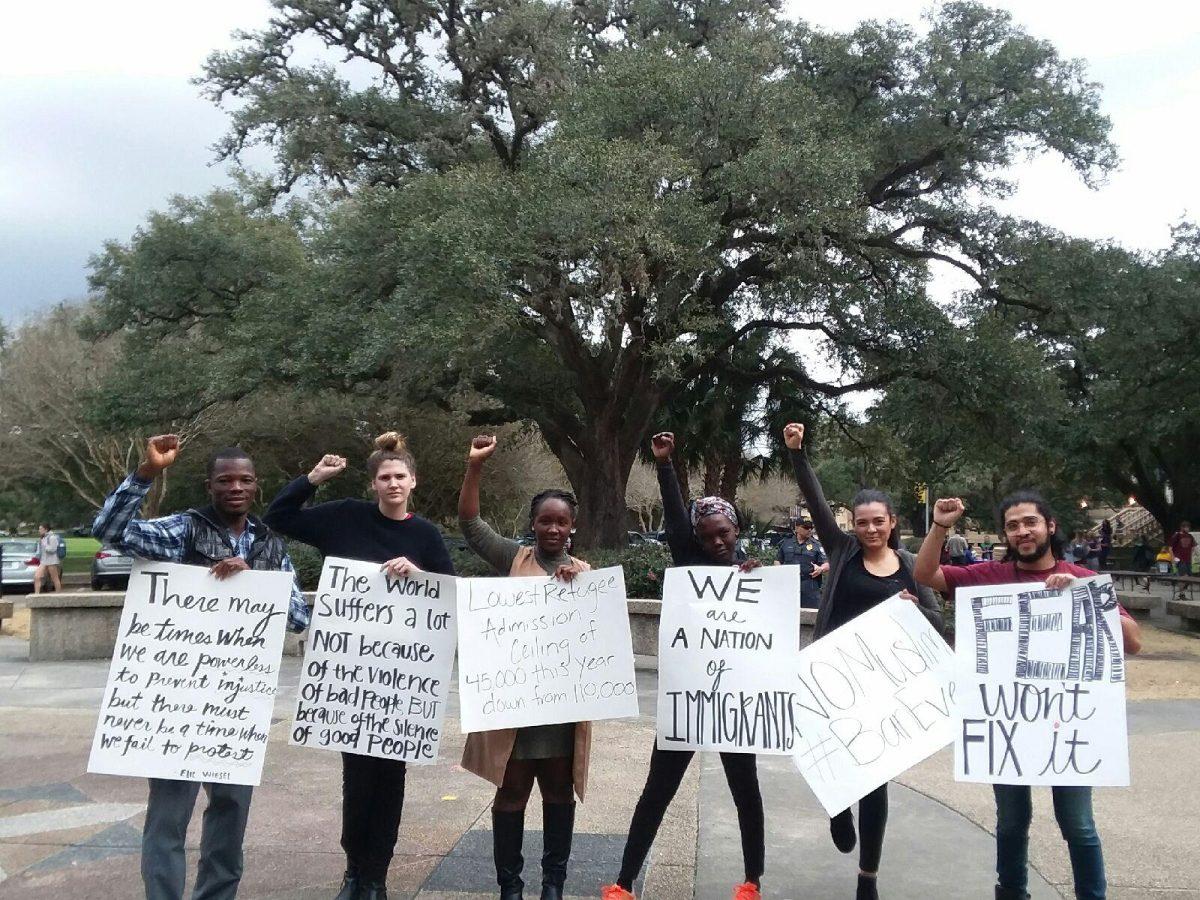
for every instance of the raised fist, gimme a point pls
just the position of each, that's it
(948, 511)
(161, 452)
(663, 445)
(329, 466)
(793, 435)
(482, 446)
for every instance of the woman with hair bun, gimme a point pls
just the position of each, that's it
(384, 532)
(865, 568)
(556, 756)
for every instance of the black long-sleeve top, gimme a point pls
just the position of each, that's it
(841, 548)
(356, 529)
(685, 549)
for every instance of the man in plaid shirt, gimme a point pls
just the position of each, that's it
(227, 539)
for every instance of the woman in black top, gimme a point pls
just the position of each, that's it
(865, 568)
(387, 533)
(706, 538)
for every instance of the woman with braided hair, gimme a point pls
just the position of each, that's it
(556, 756)
(707, 536)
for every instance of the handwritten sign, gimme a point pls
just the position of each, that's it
(1041, 679)
(539, 651)
(377, 665)
(727, 645)
(875, 697)
(193, 676)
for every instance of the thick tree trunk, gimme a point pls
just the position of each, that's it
(712, 475)
(599, 483)
(683, 475)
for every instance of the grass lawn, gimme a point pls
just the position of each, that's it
(80, 551)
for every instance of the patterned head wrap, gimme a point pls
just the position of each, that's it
(713, 506)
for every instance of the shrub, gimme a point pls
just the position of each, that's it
(307, 561)
(643, 564)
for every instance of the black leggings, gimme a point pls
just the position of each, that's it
(554, 776)
(667, 768)
(872, 823)
(372, 802)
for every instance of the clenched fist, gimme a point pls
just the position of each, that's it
(329, 466)
(482, 446)
(161, 452)
(793, 435)
(948, 511)
(662, 445)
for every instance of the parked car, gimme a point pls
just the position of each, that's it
(110, 569)
(636, 538)
(18, 563)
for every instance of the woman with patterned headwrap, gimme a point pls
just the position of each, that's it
(705, 537)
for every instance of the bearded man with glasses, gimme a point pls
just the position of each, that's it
(1030, 532)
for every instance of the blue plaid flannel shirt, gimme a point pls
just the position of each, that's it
(167, 538)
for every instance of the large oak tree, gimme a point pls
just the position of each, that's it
(567, 212)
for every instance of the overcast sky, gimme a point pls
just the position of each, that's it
(99, 123)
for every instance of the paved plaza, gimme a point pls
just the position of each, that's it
(67, 834)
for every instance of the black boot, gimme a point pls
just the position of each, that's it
(350, 883)
(867, 888)
(508, 832)
(558, 826)
(841, 829)
(373, 890)
(1003, 893)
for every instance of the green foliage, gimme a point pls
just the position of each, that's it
(644, 565)
(307, 561)
(566, 213)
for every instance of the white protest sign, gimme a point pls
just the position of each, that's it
(193, 676)
(377, 664)
(875, 697)
(540, 651)
(1041, 685)
(727, 645)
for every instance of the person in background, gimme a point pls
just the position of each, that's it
(555, 756)
(804, 550)
(50, 546)
(1143, 554)
(1164, 560)
(1030, 530)
(1077, 550)
(226, 538)
(1183, 545)
(1106, 542)
(956, 549)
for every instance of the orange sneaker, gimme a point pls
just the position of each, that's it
(615, 892)
(747, 891)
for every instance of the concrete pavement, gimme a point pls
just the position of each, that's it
(66, 833)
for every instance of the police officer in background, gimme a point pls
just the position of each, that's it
(804, 550)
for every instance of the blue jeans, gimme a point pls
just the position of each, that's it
(1073, 810)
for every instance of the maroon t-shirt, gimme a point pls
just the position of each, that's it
(1009, 573)
(1182, 545)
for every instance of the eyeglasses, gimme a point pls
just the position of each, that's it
(1012, 526)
